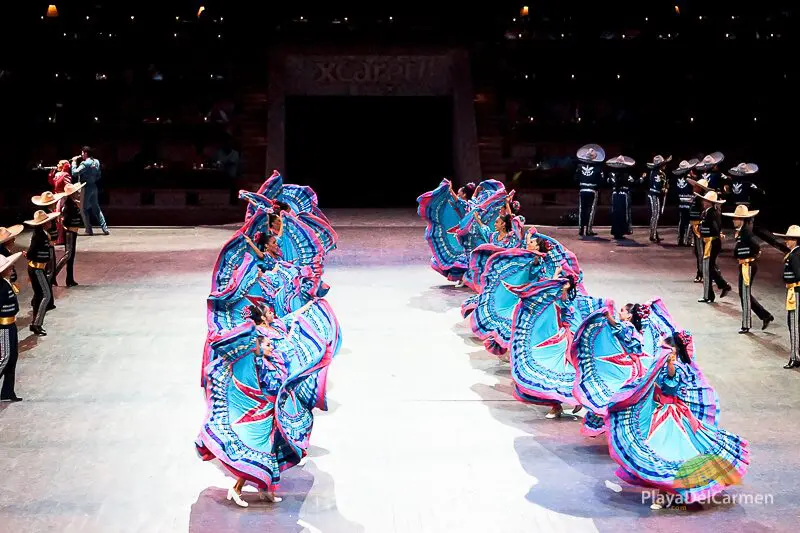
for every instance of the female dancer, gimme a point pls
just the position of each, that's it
(72, 221)
(507, 234)
(665, 434)
(541, 335)
(612, 355)
(265, 248)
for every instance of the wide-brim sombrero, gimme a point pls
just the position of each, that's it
(792, 233)
(47, 198)
(742, 211)
(41, 217)
(6, 234)
(702, 183)
(743, 169)
(710, 196)
(6, 262)
(684, 167)
(711, 160)
(586, 152)
(621, 161)
(659, 161)
(72, 188)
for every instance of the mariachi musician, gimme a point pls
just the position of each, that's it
(711, 231)
(686, 199)
(658, 186)
(746, 253)
(699, 188)
(791, 277)
(740, 190)
(589, 176)
(709, 170)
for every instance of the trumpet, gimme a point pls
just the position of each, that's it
(40, 167)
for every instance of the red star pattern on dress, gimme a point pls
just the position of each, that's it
(671, 408)
(630, 362)
(264, 404)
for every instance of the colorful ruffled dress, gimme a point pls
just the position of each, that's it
(259, 417)
(541, 336)
(665, 435)
(442, 213)
(612, 360)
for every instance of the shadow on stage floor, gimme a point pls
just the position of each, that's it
(309, 504)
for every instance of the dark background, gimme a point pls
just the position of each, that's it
(545, 84)
(363, 151)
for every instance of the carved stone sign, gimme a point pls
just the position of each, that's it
(422, 75)
(390, 71)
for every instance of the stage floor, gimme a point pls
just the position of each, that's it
(422, 434)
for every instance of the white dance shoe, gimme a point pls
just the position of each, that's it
(269, 496)
(236, 497)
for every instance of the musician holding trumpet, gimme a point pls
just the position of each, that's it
(86, 170)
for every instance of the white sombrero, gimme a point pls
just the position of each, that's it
(658, 161)
(684, 167)
(6, 262)
(792, 233)
(742, 212)
(621, 161)
(46, 198)
(702, 183)
(710, 160)
(710, 196)
(40, 217)
(591, 153)
(72, 188)
(6, 234)
(743, 169)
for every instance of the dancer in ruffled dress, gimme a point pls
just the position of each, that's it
(612, 354)
(443, 210)
(544, 322)
(665, 435)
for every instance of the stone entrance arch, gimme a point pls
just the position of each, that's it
(389, 73)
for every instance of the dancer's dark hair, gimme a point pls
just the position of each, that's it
(636, 315)
(469, 189)
(506, 223)
(680, 340)
(572, 286)
(255, 314)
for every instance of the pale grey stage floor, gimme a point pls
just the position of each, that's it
(422, 435)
